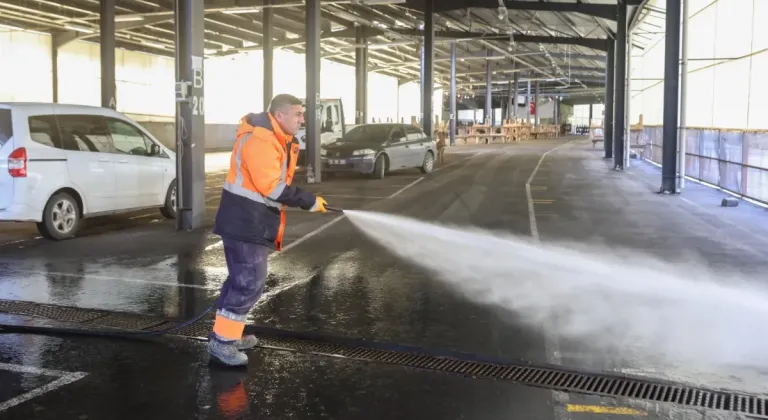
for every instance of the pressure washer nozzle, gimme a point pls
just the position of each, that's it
(336, 209)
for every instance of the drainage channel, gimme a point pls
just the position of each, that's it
(550, 377)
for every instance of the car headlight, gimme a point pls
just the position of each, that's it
(363, 152)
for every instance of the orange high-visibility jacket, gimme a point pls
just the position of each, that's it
(258, 185)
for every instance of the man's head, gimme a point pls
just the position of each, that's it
(288, 111)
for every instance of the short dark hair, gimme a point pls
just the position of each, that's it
(281, 101)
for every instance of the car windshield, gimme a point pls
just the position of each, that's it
(368, 132)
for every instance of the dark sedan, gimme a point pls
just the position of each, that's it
(376, 149)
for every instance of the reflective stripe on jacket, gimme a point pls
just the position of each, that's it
(258, 185)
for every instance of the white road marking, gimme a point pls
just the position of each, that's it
(99, 277)
(21, 241)
(64, 379)
(401, 190)
(531, 210)
(551, 342)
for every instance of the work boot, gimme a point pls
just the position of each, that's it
(247, 342)
(227, 354)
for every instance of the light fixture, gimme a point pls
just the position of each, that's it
(242, 10)
(129, 18)
(11, 27)
(78, 29)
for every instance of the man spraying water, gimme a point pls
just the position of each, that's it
(251, 217)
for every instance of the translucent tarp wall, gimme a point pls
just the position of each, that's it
(725, 106)
(233, 85)
(728, 52)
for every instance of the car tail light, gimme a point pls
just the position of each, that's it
(17, 163)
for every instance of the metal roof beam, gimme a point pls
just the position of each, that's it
(594, 43)
(605, 11)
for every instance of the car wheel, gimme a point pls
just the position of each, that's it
(61, 218)
(380, 167)
(429, 163)
(169, 209)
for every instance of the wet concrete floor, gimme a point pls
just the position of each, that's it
(338, 282)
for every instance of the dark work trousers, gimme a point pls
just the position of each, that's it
(247, 265)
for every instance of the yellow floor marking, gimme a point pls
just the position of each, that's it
(575, 408)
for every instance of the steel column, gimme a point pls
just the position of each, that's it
(671, 90)
(268, 52)
(516, 83)
(684, 100)
(609, 88)
(312, 116)
(107, 47)
(528, 103)
(488, 93)
(620, 85)
(190, 115)
(508, 115)
(452, 123)
(428, 68)
(361, 76)
(54, 69)
(536, 102)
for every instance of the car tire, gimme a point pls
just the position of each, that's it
(61, 217)
(169, 209)
(380, 167)
(429, 163)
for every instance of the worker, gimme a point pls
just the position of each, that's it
(251, 217)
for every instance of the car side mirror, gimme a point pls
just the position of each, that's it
(154, 150)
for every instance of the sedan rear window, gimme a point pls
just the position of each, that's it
(6, 127)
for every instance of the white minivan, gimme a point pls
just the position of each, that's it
(62, 163)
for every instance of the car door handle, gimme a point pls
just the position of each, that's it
(122, 161)
(103, 159)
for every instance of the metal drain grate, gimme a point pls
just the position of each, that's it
(539, 376)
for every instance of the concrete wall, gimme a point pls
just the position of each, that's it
(145, 84)
(728, 45)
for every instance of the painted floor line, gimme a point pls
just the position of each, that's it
(599, 409)
(529, 196)
(100, 277)
(64, 379)
(21, 241)
(402, 190)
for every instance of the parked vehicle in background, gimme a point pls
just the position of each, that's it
(332, 125)
(62, 163)
(376, 149)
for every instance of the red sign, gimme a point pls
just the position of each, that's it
(533, 107)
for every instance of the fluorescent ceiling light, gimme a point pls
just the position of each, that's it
(240, 11)
(78, 29)
(128, 18)
(153, 44)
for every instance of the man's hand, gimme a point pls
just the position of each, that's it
(319, 205)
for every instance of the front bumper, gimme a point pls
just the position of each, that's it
(360, 164)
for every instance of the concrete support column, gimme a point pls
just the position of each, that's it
(190, 115)
(453, 116)
(107, 47)
(428, 67)
(590, 115)
(620, 85)
(361, 76)
(312, 116)
(609, 78)
(268, 52)
(536, 101)
(671, 90)
(488, 116)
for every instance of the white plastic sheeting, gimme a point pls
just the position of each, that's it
(728, 48)
(233, 85)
